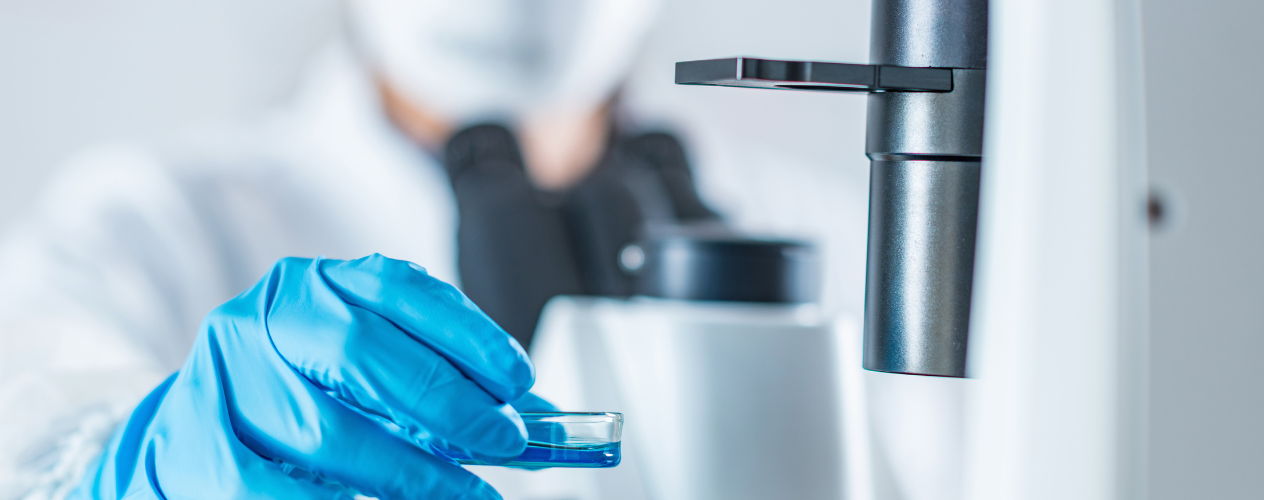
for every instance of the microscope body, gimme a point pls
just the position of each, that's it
(1059, 407)
(926, 84)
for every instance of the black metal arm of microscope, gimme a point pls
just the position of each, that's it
(925, 142)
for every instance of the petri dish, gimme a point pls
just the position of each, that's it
(559, 439)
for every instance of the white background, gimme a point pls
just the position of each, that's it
(1207, 266)
(79, 72)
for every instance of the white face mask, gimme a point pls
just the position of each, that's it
(470, 59)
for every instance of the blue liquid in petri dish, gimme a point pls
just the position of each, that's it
(541, 455)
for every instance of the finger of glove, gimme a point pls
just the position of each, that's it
(531, 403)
(438, 315)
(279, 414)
(338, 444)
(371, 364)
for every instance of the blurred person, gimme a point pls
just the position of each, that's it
(479, 139)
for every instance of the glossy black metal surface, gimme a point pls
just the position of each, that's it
(922, 220)
(727, 268)
(924, 188)
(931, 33)
(905, 125)
(807, 75)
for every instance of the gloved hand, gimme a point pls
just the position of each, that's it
(327, 379)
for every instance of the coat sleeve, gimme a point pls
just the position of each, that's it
(102, 287)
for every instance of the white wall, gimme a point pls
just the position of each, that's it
(1206, 126)
(79, 72)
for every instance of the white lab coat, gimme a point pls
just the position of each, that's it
(103, 289)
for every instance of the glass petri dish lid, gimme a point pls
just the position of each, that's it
(565, 439)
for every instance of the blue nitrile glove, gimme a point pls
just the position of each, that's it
(326, 379)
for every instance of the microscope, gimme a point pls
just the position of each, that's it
(925, 83)
(733, 389)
